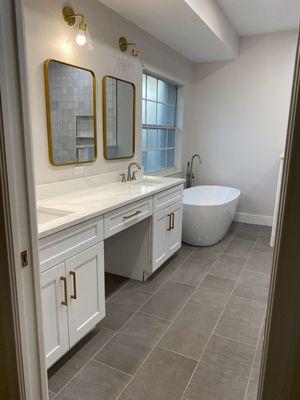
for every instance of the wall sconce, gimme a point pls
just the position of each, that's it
(124, 44)
(80, 35)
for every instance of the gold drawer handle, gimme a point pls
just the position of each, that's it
(170, 222)
(74, 295)
(132, 215)
(65, 301)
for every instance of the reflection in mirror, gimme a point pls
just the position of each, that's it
(71, 113)
(118, 118)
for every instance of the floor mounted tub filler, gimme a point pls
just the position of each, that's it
(208, 212)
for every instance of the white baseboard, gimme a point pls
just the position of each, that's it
(256, 219)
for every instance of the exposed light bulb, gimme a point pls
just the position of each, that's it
(81, 37)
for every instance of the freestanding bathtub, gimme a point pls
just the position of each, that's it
(208, 212)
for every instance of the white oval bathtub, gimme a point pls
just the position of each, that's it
(208, 212)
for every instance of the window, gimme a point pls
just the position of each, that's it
(159, 124)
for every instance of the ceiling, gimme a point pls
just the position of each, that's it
(249, 17)
(207, 30)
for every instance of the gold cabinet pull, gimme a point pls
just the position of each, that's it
(132, 215)
(74, 295)
(170, 222)
(65, 301)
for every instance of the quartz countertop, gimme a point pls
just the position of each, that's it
(60, 212)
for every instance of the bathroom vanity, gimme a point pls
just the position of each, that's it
(129, 229)
(91, 225)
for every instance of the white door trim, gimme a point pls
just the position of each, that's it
(21, 194)
(279, 375)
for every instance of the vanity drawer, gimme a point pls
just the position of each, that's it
(124, 217)
(167, 197)
(58, 247)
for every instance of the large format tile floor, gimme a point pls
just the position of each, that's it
(194, 331)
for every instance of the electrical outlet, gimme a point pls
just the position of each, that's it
(78, 170)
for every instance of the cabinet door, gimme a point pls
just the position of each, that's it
(175, 234)
(55, 313)
(160, 226)
(85, 274)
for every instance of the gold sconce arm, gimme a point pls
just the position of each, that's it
(124, 44)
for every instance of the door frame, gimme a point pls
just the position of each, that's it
(281, 363)
(18, 195)
(280, 369)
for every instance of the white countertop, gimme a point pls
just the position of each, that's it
(61, 212)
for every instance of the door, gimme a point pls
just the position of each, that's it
(85, 275)
(175, 234)
(55, 313)
(160, 224)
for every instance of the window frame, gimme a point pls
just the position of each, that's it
(160, 127)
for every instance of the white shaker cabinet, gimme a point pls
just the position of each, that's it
(55, 313)
(85, 273)
(73, 300)
(166, 231)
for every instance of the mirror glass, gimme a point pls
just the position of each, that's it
(118, 118)
(71, 113)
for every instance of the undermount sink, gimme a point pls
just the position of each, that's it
(46, 214)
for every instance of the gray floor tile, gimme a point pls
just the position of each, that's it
(163, 376)
(95, 382)
(168, 300)
(241, 320)
(265, 231)
(191, 272)
(213, 292)
(248, 227)
(158, 278)
(210, 253)
(122, 306)
(253, 285)
(223, 371)
(228, 267)
(263, 244)
(239, 248)
(191, 330)
(70, 364)
(256, 366)
(250, 235)
(129, 348)
(252, 391)
(51, 395)
(229, 236)
(260, 262)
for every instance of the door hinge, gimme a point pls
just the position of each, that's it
(24, 258)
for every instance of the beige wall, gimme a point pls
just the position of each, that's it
(46, 33)
(240, 119)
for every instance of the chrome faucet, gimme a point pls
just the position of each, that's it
(189, 173)
(131, 177)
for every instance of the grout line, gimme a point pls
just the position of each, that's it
(213, 331)
(155, 316)
(117, 331)
(253, 346)
(175, 352)
(109, 366)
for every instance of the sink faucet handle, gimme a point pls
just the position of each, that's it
(133, 178)
(123, 177)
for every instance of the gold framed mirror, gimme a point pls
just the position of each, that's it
(71, 113)
(119, 102)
